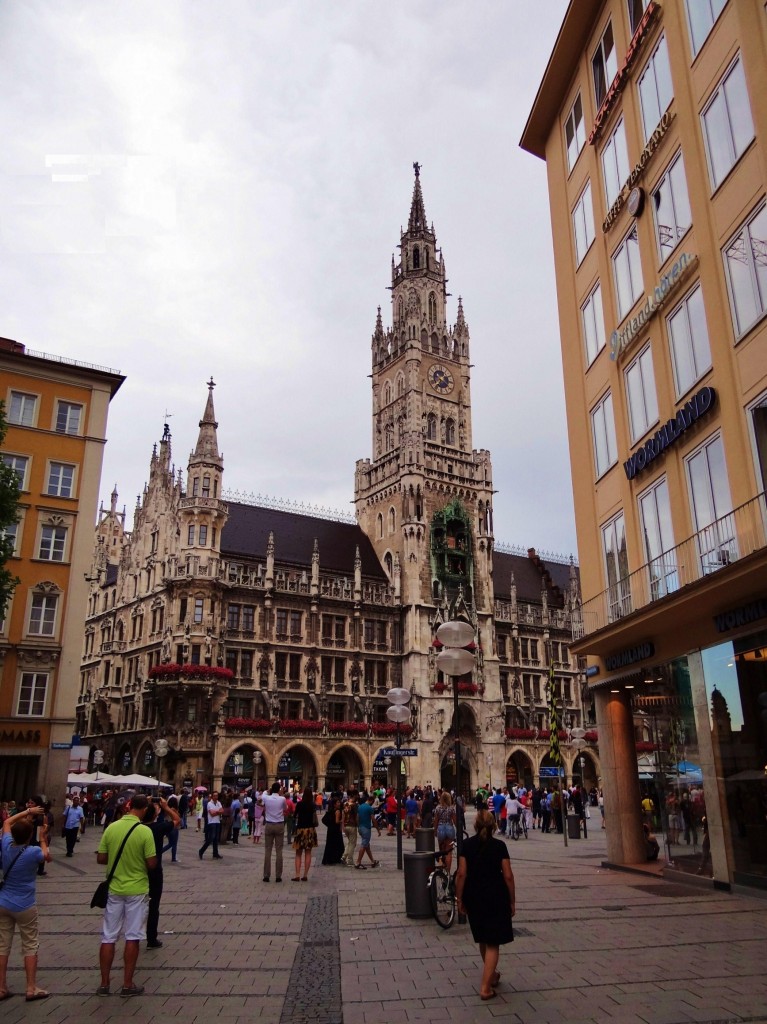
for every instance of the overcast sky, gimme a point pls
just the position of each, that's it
(217, 188)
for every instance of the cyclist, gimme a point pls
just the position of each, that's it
(513, 810)
(444, 819)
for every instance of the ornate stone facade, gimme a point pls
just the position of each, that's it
(261, 642)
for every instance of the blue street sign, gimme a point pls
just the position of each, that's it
(402, 752)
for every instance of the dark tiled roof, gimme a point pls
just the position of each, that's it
(527, 576)
(246, 534)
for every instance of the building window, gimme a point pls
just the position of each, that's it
(690, 352)
(701, 15)
(198, 610)
(583, 224)
(206, 487)
(233, 616)
(450, 431)
(431, 427)
(53, 540)
(68, 417)
(593, 325)
(711, 505)
(295, 626)
(248, 617)
(392, 520)
(575, 132)
(282, 624)
(32, 694)
(195, 486)
(672, 208)
(11, 533)
(604, 65)
(190, 535)
(640, 390)
(61, 479)
(656, 90)
(615, 163)
(658, 534)
(745, 260)
(42, 614)
(727, 124)
(432, 307)
(603, 427)
(246, 664)
(19, 464)
(616, 568)
(379, 525)
(627, 268)
(22, 408)
(636, 11)
(203, 536)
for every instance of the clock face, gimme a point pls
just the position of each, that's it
(441, 379)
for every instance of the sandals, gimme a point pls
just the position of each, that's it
(296, 879)
(375, 863)
(39, 993)
(360, 867)
(304, 879)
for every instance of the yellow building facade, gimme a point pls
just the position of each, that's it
(652, 123)
(56, 411)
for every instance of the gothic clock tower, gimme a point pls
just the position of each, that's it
(425, 498)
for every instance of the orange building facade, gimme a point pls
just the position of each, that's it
(652, 123)
(56, 411)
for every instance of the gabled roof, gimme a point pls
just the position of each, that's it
(527, 576)
(246, 534)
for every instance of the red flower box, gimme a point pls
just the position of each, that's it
(350, 728)
(390, 729)
(299, 725)
(467, 688)
(249, 724)
(173, 671)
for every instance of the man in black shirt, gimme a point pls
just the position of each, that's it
(161, 819)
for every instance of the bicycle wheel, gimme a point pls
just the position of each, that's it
(442, 898)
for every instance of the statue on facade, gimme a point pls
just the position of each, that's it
(165, 649)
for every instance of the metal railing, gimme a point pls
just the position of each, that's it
(736, 535)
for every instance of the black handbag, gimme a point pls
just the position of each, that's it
(101, 895)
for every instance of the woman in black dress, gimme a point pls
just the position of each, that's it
(334, 842)
(484, 886)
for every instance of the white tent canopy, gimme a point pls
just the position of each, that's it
(138, 780)
(83, 779)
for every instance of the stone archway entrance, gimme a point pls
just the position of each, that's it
(519, 770)
(296, 767)
(241, 770)
(447, 772)
(344, 770)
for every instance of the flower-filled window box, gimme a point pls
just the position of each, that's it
(469, 688)
(348, 728)
(390, 729)
(299, 725)
(248, 724)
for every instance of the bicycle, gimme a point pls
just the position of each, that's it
(518, 827)
(442, 890)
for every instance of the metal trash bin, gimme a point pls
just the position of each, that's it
(418, 867)
(424, 840)
(573, 827)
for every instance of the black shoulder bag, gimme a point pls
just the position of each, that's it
(101, 895)
(10, 867)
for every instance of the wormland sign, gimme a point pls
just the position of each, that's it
(659, 296)
(670, 432)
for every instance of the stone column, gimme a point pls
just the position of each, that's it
(620, 778)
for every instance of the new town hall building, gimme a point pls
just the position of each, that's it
(261, 642)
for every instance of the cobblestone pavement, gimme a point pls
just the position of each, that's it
(592, 945)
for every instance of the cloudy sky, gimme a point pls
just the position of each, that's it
(198, 188)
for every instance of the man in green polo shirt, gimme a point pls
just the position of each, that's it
(128, 904)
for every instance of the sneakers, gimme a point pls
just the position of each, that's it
(156, 944)
(132, 990)
(375, 863)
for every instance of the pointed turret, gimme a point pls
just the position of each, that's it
(207, 440)
(417, 219)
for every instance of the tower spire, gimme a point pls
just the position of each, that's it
(417, 219)
(207, 439)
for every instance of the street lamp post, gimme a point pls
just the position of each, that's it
(257, 758)
(456, 661)
(160, 751)
(98, 759)
(398, 712)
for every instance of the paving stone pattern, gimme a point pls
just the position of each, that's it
(593, 946)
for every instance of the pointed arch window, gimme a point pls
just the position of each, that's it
(400, 385)
(431, 427)
(387, 393)
(379, 525)
(432, 307)
(450, 431)
(389, 564)
(392, 520)
(400, 310)
(389, 437)
(416, 258)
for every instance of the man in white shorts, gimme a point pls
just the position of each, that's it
(128, 904)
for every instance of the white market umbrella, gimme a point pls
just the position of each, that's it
(138, 780)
